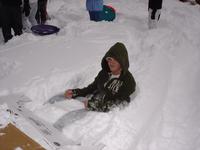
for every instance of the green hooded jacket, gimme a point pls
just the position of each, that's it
(108, 93)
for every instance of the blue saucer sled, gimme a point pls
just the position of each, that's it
(43, 29)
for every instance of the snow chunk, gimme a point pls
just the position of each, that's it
(7, 66)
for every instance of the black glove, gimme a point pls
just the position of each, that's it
(26, 9)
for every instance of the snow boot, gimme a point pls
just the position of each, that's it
(154, 16)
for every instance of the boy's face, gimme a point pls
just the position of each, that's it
(114, 65)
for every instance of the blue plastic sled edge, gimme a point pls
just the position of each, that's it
(43, 29)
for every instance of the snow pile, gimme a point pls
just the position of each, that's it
(164, 112)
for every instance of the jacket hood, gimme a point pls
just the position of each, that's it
(119, 52)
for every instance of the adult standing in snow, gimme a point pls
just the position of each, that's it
(12, 17)
(94, 7)
(154, 9)
(112, 86)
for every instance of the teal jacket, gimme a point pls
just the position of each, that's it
(108, 93)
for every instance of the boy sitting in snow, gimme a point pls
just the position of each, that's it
(112, 86)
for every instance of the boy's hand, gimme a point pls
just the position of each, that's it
(68, 94)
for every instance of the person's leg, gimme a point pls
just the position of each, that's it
(17, 20)
(6, 23)
(33, 11)
(44, 12)
(29, 21)
(41, 15)
(154, 9)
(90, 14)
(98, 16)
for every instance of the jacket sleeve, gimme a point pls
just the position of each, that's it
(87, 90)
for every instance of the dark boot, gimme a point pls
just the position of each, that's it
(6, 23)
